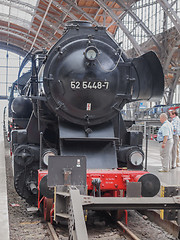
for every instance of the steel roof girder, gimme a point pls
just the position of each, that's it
(171, 13)
(52, 16)
(24, 3)
(82, 12)
(64, 10)
(47, 23)
(8, 4)
(18, 2)
(31, 29)
(18, 36)
(63, 17)
(139, 21)
(121, 25)
(172, 87)
(46, 12)
(33, 14)
(13, 48)
(39, 17)
(97, 13)
(168, 60)
(22, 33)
(17, 18)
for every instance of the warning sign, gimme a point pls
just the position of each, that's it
(88, 108)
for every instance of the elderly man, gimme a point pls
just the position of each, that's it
(165, 138)
(176, 132)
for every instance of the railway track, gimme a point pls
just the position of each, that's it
(25, 225)
(52, 231)
(128, 231)
(140, 229)
(122, 231)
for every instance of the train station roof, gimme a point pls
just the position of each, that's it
(27, 24)
(40, 23)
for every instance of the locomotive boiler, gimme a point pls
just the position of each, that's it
(77, 91)
(19, 108)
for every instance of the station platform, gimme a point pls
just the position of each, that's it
(171, 178)
(4, 219)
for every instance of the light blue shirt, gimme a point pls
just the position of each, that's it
(165, 130)
(176, 125)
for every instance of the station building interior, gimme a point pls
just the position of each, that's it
(138, 26)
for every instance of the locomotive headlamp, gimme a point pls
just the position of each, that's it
(47, 153)
(136, 158)
(91, 53)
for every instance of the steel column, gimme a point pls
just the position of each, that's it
(171, 13)
(77, 215)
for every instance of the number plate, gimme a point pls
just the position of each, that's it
(89, 85)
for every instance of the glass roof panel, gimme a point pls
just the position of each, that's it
(26, 8)
(31, 2)
(13, 12)
(20, 14)
(4, 9)
(4, 18)
(17, 21)
(152, 15)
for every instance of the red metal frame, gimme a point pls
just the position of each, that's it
(41, 174)
(112, 181)
(52, 214)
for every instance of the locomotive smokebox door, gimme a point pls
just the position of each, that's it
(67, 171)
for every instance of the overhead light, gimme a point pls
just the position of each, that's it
(175, 68)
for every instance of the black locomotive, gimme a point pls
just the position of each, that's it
(19, 107)
(77, 90)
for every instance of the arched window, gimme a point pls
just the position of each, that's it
(9, 67)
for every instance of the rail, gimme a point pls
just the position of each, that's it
(77, 203)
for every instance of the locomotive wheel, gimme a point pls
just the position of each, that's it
(47, 205)
(21, 181)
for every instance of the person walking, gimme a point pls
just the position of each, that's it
(176, 132)
(165, 138)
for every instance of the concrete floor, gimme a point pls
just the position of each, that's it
(171, 178)
(4, 219)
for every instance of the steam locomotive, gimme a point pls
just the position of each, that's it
(76, 91)
(19, 108)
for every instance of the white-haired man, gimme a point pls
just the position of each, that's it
(165, 138)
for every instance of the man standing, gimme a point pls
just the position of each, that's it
(176, 132)
(165, 138)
